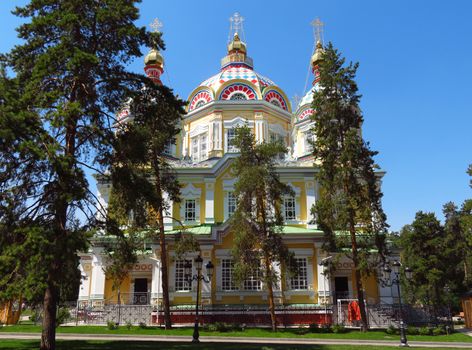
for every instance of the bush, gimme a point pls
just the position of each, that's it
(314, 328)
(439, 331)
(339, 328)
(412, 330)
(391, 330)
(111, 325)
(239, 327)
(63, 315)
(35, 317)
(425, 331)
(142, 325)
(129, 325)
(222, 327)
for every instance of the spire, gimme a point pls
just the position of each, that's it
(237, 50)
(316, 57)
(154, 62)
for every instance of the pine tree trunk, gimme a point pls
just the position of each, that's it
(270, 288)
(48, 335)
(162, 244)
(359, 290)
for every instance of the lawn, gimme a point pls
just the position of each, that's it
(115, 345)
(250, 332)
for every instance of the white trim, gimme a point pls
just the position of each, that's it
(190, 192)
(278, 129)
(199, 129)
(237, 122)
(297, 198)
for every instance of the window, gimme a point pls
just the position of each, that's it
(253, 282)
(300, 280)
(308, 138)
(200, 147)
(232, 203)
(227, 267)
(289, 209)
(190, 210)
(238, 96)
(200, 103)
(180, 280)
(168, 147)
(274, 137)
(230, 136)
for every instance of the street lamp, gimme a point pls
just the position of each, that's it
(198, 277)
(325, 273)
(389, 280)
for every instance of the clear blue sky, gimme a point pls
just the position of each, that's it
(415, 76)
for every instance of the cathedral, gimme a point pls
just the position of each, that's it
(202, 156)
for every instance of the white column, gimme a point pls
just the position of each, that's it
(259, 128)
(211, 137)
(103, 194)
(217, 132)
(209, 201)
(156, 280)
(84, 280)
(310, 199)
(206, 287)
(324, 284)
(97, 289)
(168, 222)
(185, 151)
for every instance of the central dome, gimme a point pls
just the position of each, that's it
(237, 81)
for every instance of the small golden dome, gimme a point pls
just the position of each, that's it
(237, 44)
(153, 57)
(318, 53)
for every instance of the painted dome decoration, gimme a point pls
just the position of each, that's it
(200, 98)
(238, 92)
(237, 80)
(275, 98)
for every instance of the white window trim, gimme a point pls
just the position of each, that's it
(308, 254)
(199, 156)
(234, 123)
(228, 186)
(278, 129)
(297, 191)
(190, 192)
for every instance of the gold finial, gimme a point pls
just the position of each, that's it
(156, 25)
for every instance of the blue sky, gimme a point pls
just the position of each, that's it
(414, 75)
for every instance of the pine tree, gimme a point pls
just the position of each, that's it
(141, 171)
(348, 209)
(424, 251)
(72, 77)
(256, 222)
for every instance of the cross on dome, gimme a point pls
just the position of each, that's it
(156, 25)
(318, 30)
(236, 26)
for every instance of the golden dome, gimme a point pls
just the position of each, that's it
(237, 44)
(318, 53)
(153, 57)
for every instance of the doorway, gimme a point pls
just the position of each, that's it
(140, 295)
(341, 288)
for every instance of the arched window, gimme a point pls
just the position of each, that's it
(238, 96)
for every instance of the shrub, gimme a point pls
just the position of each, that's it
(425, 331)
(439, 331)
(111, 325)
(339, 328)
(129, 325)
(222, 327)
(412, 330)
(35, 317)
(313, 328)
(391, 330)
(238, 327)
(63, 315)
(142, 325)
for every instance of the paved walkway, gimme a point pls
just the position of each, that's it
(252, 340)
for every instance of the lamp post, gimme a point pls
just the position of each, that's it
(198, 277)
(325, 273)
(389, 280)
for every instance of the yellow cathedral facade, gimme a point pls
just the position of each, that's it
(202, 156)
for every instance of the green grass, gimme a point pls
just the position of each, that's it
(115, 345)
(251, 332)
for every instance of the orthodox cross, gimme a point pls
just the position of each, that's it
(156, 25)
(318, 30)
(236, 26)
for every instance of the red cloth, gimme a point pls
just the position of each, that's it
(353, 311)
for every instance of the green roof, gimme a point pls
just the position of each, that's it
(195, 230)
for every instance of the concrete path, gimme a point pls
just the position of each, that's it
(251, 340)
